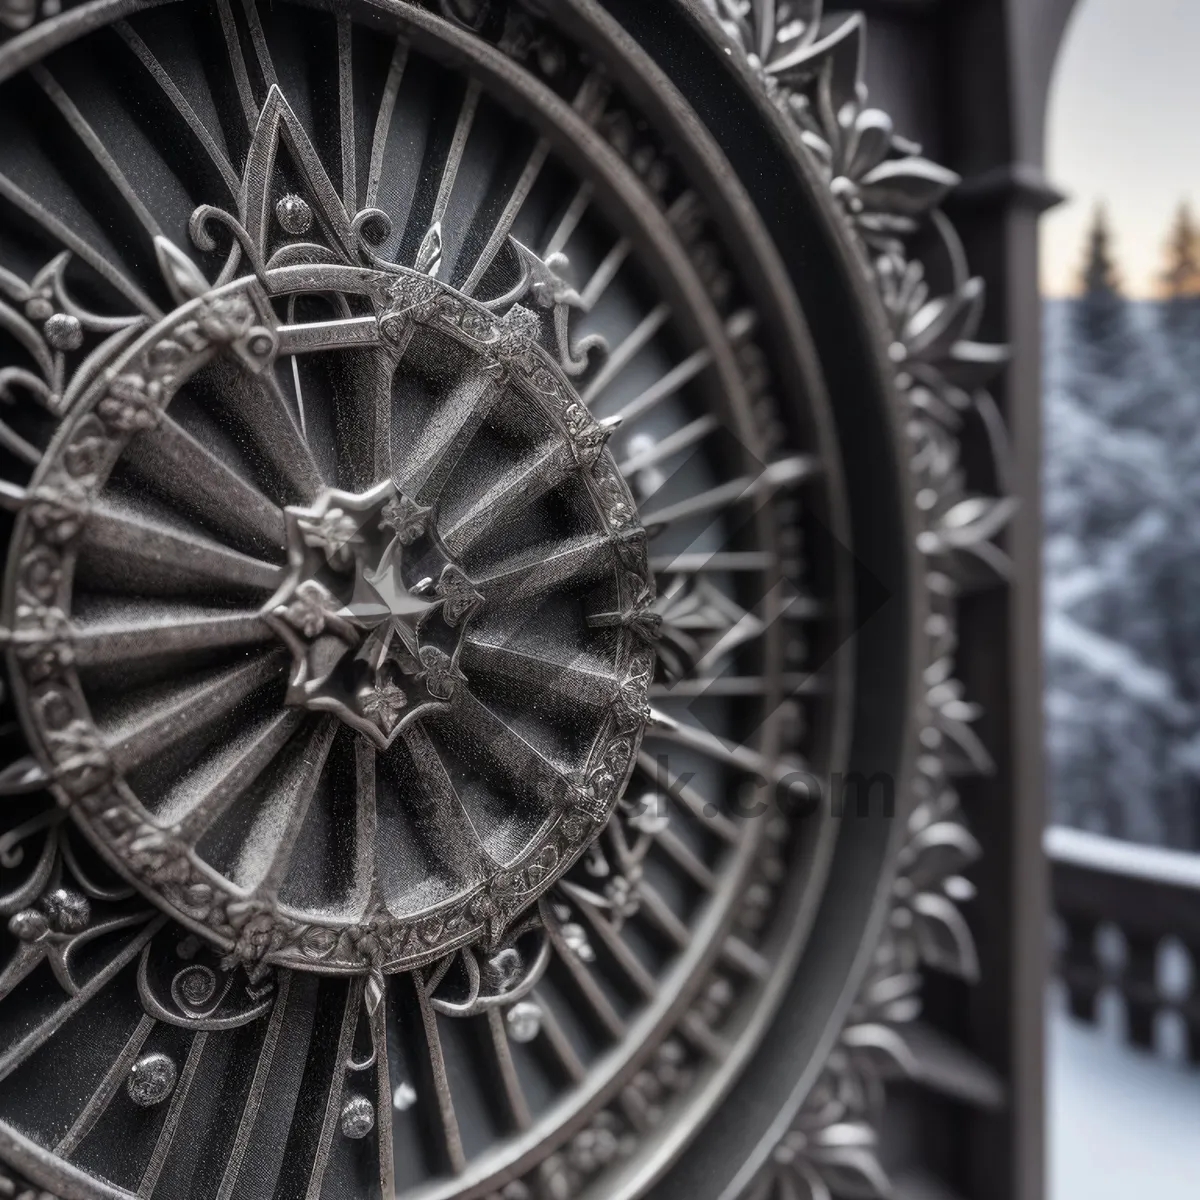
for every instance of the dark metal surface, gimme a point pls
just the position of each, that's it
(480, 476)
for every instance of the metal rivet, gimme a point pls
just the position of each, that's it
(151, 1079)
(358, 1117)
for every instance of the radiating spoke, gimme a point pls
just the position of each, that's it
(100, 262)
(558, 240)
(605, 273)
(658, 913)
(100, 1099)
(499, 235)
(555, 1038)
(130, 551)
(258, 1090)
(688, 798)
(462, 131)
(148, 730)
(682, 855)
(337, 1089)
(704, 1038)
(630, 966)
(669, 385)
(346, 111)
(588, 101)
(45, 1029)
(170, 1127)
(594, 1001)
(510, 1082)
(778, 475)
(427, 463)
(198, 481)
(383, 121)
(522, 762)
(91, 141)
(448, 1118)
(258, 40)
(540, 571)
(741, 758)
(237, 61)
(626, 351)
(257, 403)
(267, 850)
(682, 439)
(528, 481)
(199, 799)
(147, 634)
(451, 839)
(179, 102)
(738, 685)
(745, 958)
(583, 681)
(724, 560)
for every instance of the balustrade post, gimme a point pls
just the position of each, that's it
(1079, 966)
(1139, 986)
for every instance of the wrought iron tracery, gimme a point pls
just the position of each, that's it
(336, 402)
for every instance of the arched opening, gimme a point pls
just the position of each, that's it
(1120, 278)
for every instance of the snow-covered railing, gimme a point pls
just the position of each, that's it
(1128, 915)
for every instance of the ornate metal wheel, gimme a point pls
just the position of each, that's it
(440, 493)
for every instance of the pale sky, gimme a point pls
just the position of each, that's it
(1123, 127)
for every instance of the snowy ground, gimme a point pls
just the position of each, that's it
(1122, 1124)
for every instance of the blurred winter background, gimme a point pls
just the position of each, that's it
(1121, 281)
(1122, 424)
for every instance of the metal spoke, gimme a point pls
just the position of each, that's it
(605, 273)
(32, 1041)
(462, 131)
(194, 805)
(237, 61)
(555, 1038)
(170, 1126)
(383, 121)
(449, 836)
(258, 1090)
(587, 988)
(179, 102)
(83, 130)
(136, 553)
(429, 461)
(626, 351)
(510, 1082)
(582, 681)
(448, 1118)
(198, 481)
(144, 634)
(346, 112)
(688, 798)
(741, 758)
(337, 1089)
(784, 473)
(675, 443)
(149, 729)
(669, 385)
(257, 403)
(101, 263)
(526, 482)
(100, 1099)
(267, 851)
(537, 572)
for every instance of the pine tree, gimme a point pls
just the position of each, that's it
(1100, 315)
(1182, 276)
(1099, 276)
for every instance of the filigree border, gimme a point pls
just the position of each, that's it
(811, 65)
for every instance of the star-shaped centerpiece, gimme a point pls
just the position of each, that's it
(372, 609)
